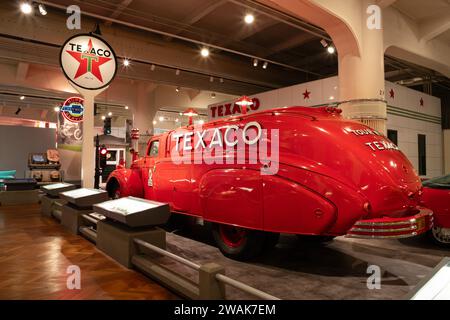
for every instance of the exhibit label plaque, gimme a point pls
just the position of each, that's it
(135, 212)
(85, 197)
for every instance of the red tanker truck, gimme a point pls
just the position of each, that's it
(296, 170)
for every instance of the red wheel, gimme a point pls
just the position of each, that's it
(113, 188)
(232, 236)
(116, 194)
(238, 243)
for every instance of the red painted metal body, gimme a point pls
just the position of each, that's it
(438, 200)
(332, 173)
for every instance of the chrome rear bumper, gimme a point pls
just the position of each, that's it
(392, 228)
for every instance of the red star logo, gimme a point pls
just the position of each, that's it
(392, 93)
(421, 102)
(89, 62)
(306, 94)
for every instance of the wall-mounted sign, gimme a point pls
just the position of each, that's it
(70, 124)
(72, 109)
(88, 61)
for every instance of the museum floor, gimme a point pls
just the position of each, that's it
(35, 252)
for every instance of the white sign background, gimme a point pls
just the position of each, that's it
(88, 79)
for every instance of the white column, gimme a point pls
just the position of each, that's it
(88, 146)
(362, 78)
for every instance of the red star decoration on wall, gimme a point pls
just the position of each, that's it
(306, 94)
(421, 102)
(88, 62)
(392, 93)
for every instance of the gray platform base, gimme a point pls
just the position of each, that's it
(8, 198)
(71, 217)
(116, 240)
(48, 204)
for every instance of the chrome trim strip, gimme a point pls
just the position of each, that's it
(414, 227)
(396, 223)
(381, 237)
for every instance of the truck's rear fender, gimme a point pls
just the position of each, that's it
(129, 181)
(351, 205)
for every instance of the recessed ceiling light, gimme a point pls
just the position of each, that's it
(211, 79)
(265, 65)
(152, 67)
(177, 89)
(177, 72)
(22, 98)
(154, 121)
(249, 18)
(176, 120)
(109, 114)
(161, 119)
(204, 52)
(26, 8)
(56, 109)
(42, 9)
(330, 49)
(103, 117)
(255, 62)
(126, 107)
(126, 62)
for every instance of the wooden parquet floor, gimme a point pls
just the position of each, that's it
(35, 252)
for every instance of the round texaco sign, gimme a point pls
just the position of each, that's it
(88, 61)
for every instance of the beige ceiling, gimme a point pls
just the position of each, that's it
(422, 9)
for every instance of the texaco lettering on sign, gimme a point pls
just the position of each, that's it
(88, 61)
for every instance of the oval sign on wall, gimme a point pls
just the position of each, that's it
(88, 61)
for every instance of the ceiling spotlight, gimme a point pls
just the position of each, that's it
(26, 8)
(255, 62)
(324, 43)
(211, 79)
(177, 89)
(161, 119)
(154, 122)
(152, 67)
(330, 49)
(249, 18)
(103, 117)
(204, 52)
(177, 72)
(265, 65)
(109, 114)
(42, 9)
(18, 111)
(22, 98)
(213, 95)
(126, 107)
(56, 109)
(176, 120)
(126, 62)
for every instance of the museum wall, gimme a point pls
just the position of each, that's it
(409, 112)
(17, 142)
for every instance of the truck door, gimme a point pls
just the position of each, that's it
(148, 168)
(173, 180)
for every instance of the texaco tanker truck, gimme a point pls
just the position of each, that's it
(296, 170)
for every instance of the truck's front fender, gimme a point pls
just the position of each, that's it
(129, 181)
